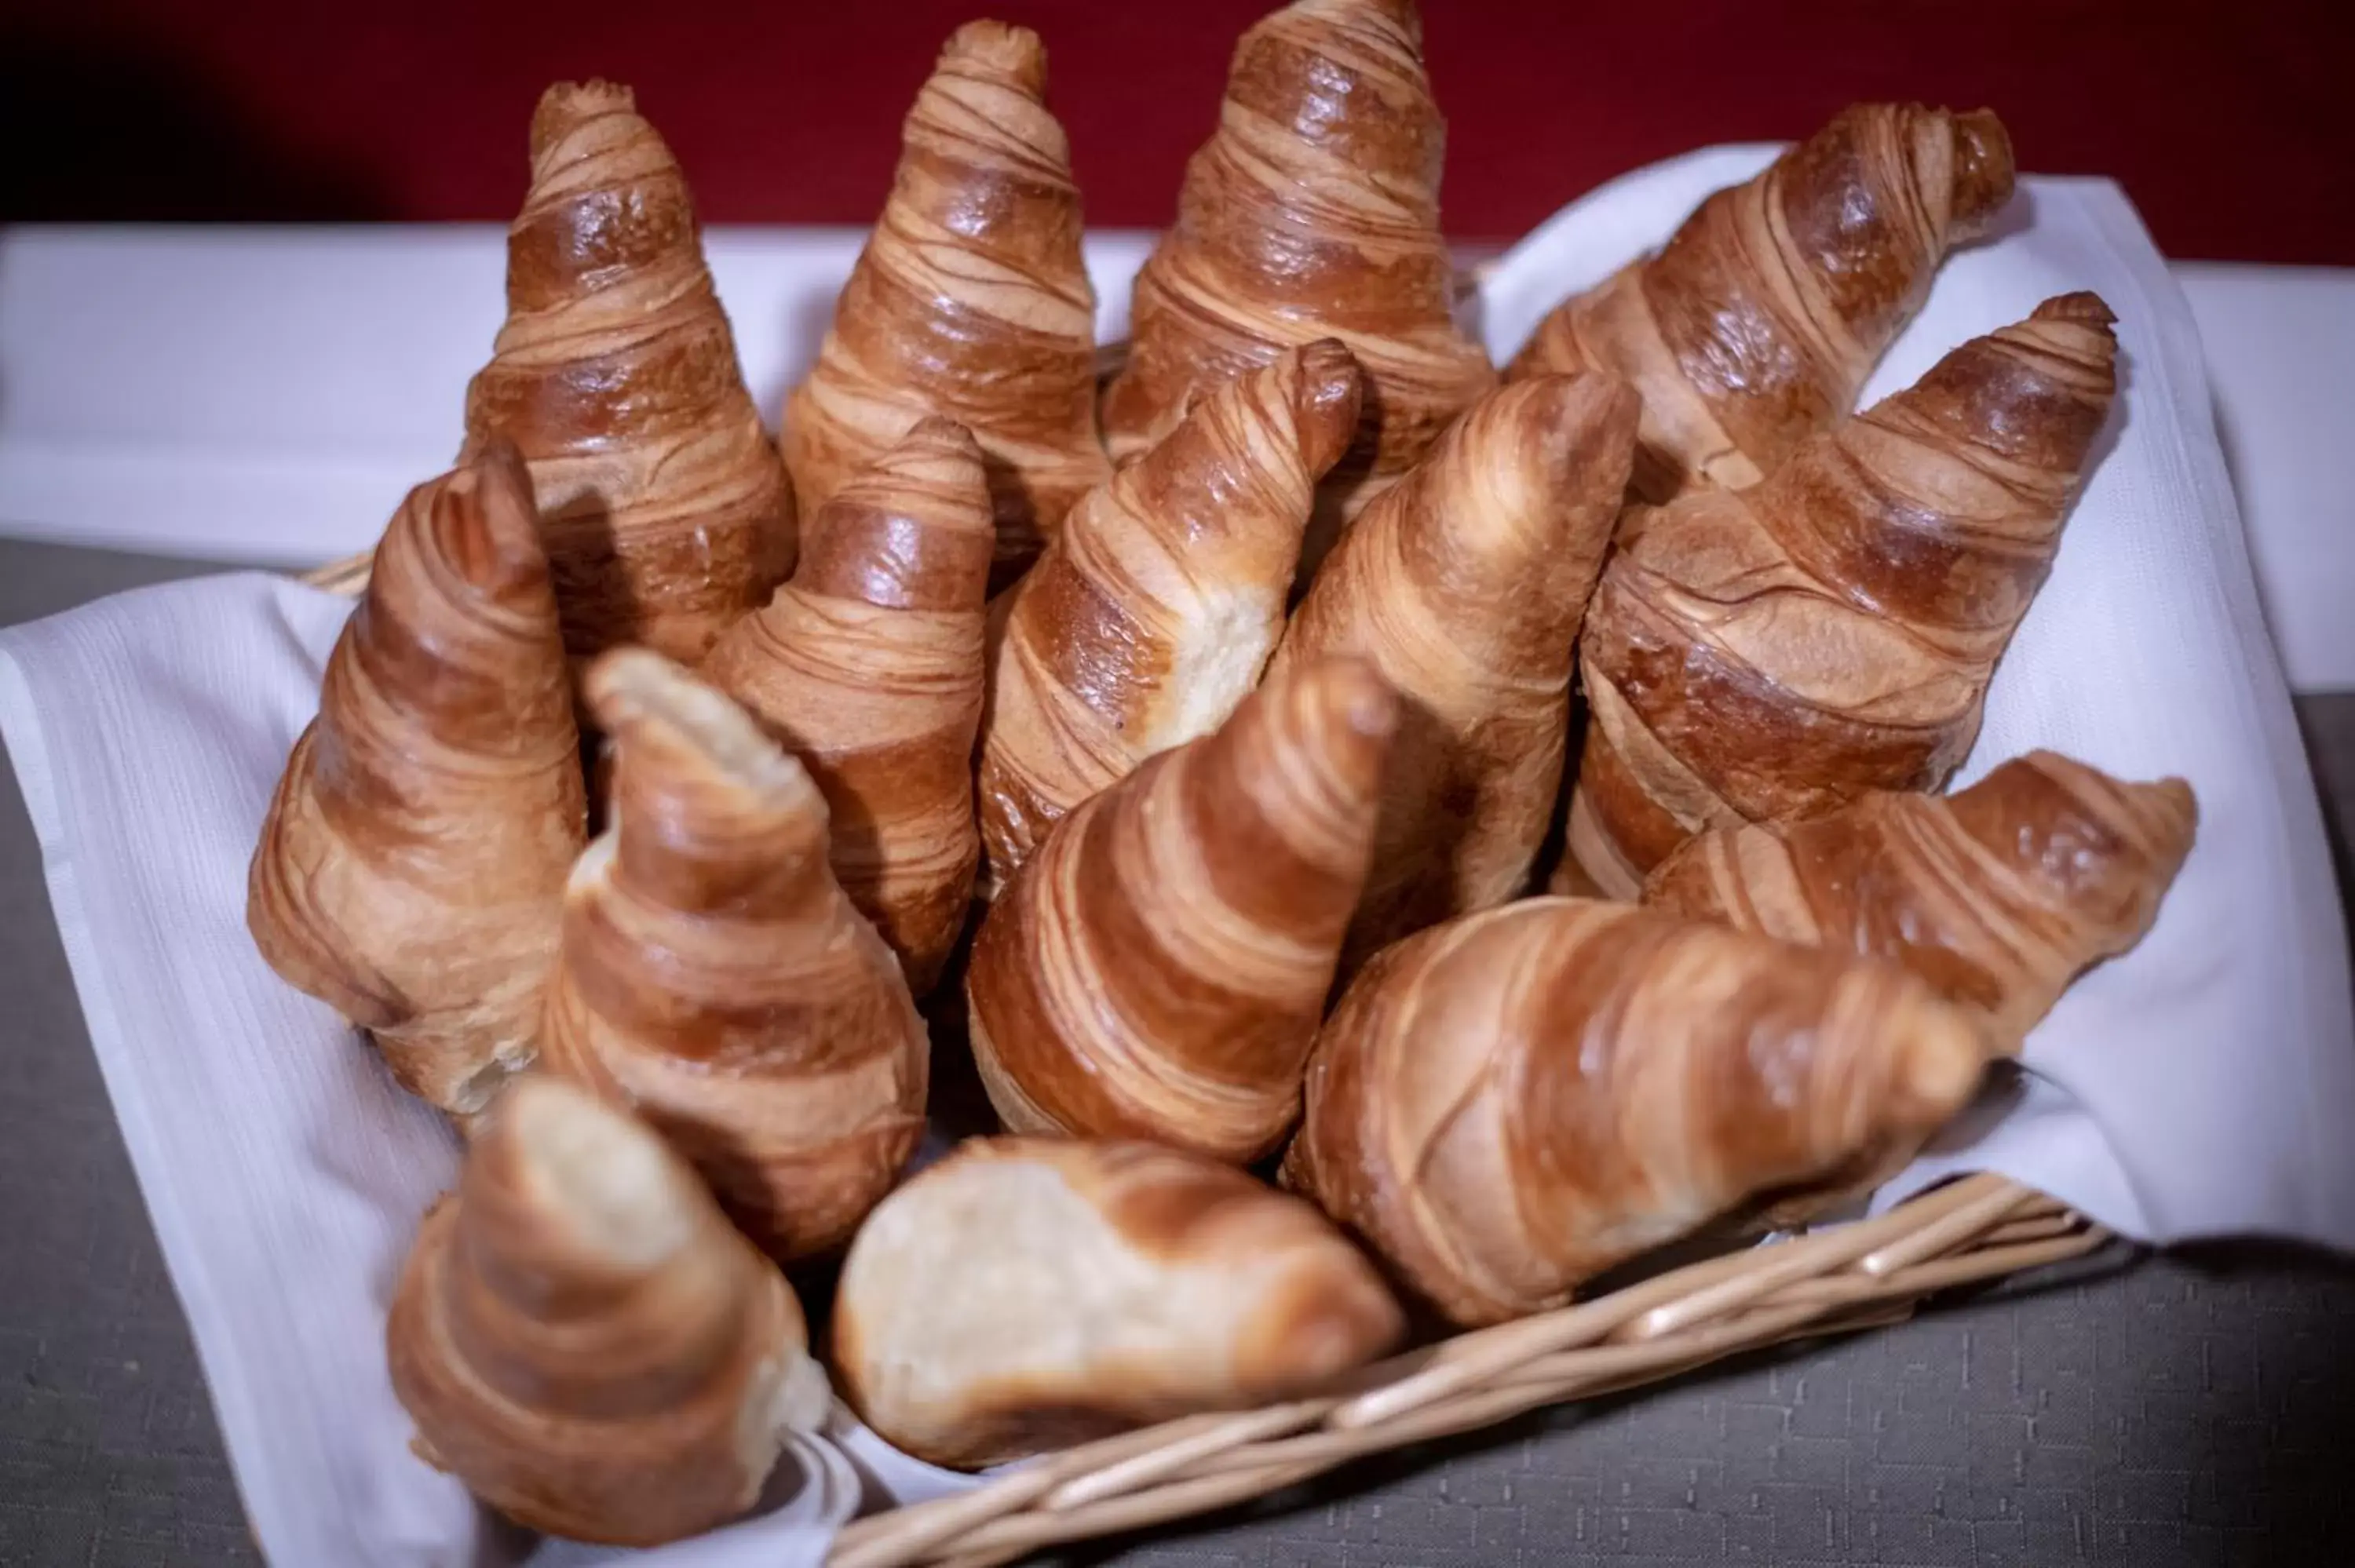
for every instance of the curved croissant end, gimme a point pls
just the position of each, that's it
(1758, 323)
(971, 301)
(665, 509)
(582, 1339)
(1465, 585)
(1158, 968)
(1153, 611)
(410, 870)
(1127, 1284)
(1998, 895)
(1778, 652)
(867, 665)
(1312, 212)
(1509, 1104)
(714, 977)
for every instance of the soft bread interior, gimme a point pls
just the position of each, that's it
(1213, 669)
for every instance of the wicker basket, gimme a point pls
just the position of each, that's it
(1831, 1281)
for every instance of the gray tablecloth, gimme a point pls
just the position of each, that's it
(2194, 1409)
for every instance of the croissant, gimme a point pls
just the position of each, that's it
(1757, 324)
(664, 508)
(867, 665)
(714, 977)
(1465, 585)
(1158, 968)
(1777, 651)
(1152, 613)
(1508, 1105)
(1998, 894)
(582, 1339)
(970, 300)
(410, 872)
(1126, 1283)
(1312, 212)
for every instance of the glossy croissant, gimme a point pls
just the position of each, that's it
(1759, 321)
(971, 301)
(868, 666)
(410, 872)
(715, 979)
(1465, 585)
(1158, 969)
(1508, 1105)
(1154, 609)
(585, 1342)
(1126, 1283)
(665, 509)
(1312, 212)
(1998, 894)
(1777, 651)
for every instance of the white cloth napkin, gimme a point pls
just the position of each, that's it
(2190, 1088)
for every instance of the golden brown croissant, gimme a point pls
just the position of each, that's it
(714, 977)
(411, 872)
(1998, 894)
(1511, 1103)
(1312, 212)
(1777, 651)
(970, 300)
(1153, 612)
(1465, 585)
(582, 1339)
(867, 665)
(1158, 969)
(665, 511)
(1125, 1283)
(1758, 323)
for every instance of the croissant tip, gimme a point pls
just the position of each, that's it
(568, 104)
(639, 695)
(940, 432)
(1002, 49)
(1354, 692)
(590, 1169)
(1942, 1070)
(2084, 307)
(1330, 393)
(1985, 170)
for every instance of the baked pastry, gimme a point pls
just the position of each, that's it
(1465, 585)
(1027, 1294)
(1756, 326)
(970, 300)
(1154, 609)
(1508, 1105)
(664, 506)
(1777, 651)
(582, 1339)
(1158, 968)
(1998, 894)
(410, 872)
(715, 979)
(1312, 212)
(868, 666)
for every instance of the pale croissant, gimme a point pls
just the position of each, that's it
(585, 1342)
(1312, 212)
(1465, 585)
(1154, 609)
(1125, 1284)
(1158, 968)
(1509, 1104)
(868, 666)
(971, 301)
(410, 872)
(1779, 650)
(667, 512)
(715, 977)
(1998, 894)
(1757, 324)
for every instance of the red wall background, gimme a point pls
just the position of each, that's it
(2228, 122)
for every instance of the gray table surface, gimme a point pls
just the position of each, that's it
(2192, 1409)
